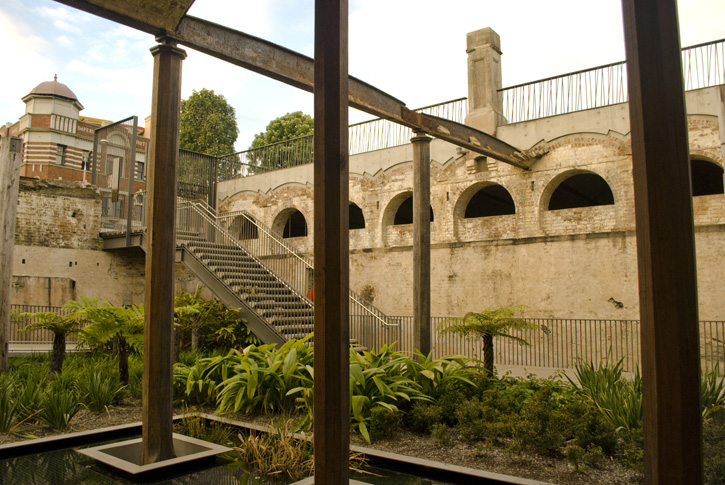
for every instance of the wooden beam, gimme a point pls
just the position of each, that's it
(421, 242)
(158, 410)
(11, 156)
(332, 342)
(154, 17)
(665, 244)
(297, 70)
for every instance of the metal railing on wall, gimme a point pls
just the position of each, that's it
(703, 66)
(17, 335)
(364, 137)
(561, 343)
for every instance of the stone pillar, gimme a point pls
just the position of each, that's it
(160, 249)
(484, 80)
(332, 293)
(11, 155)
(665, 244)
(421, 242)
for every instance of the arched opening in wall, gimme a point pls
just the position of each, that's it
(404, 214)
(581, 190)
(357, 219)
(707, 177)
(290, 223)
(492, 200)
(244, 227)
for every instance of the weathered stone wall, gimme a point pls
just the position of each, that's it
(569, 263)
(57, 214)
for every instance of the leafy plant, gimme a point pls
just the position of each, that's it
(58, 409)
(98, 391)
(7, 406)
(28, 397)
(69, 321)
(377, 381)
(450, 372)
(712, 392)
(487, 325)
(123, 326)
(618, 399)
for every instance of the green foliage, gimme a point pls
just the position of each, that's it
(267, 379)
(98, 390)
(58, 408)
(487, 325)
(713, 437)
(618, 399)
(277, 453)
(286, 127)
(215, 325)
(28, 397)
(384, 423)
(195, 426)
(377, 381)
(712, 391)
(209, 125)
(450, 372)
(7, 406)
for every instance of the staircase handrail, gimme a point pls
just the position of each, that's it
(215, 225)
(304, 260)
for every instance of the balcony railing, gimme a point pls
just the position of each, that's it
(703, 66)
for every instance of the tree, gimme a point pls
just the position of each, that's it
(123, 326)
(291, 126)
(209, 125)
(70, 321)
(490, 323)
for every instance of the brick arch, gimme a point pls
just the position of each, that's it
(556, 183)
(706, 176)
(357, 216)
(290, 222)
(463, 201)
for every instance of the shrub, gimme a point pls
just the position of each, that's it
(542, 428)
(7, 406)
(424, 415)
(98, 392)
(384, 423)
(28, 398)
(480, 421)
(713, 437)
(441, 434)
(58, 408)
(277, 453)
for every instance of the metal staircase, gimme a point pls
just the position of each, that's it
(247, 266)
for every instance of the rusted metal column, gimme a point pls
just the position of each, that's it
(11, 155)
(160, 249)
(331, 410)
(421, 242)
(665, 244)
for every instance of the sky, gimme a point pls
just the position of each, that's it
(413, 50)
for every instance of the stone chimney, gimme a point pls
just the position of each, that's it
(484, 80)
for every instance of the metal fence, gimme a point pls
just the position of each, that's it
(17, 335)
(561, 343)
(703, 66)
(364, 137)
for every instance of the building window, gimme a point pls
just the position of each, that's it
(404, 214)
(492, 200)
(140, 171)
(109, 164)
(60, 155)
(707, 178)
(86, 160)
(357, 219)
(581, 190)
(296, 225)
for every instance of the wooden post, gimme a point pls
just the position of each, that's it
(332, 342)
(665, 244)
(160, 249)
(421, 242)
(11, 155)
